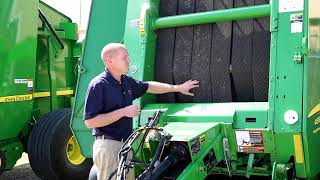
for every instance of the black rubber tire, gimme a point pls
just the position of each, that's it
(47, 148)
(2, 162)
(181, 69)
(165, 51)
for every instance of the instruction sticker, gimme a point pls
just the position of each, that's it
(202, 138)
(30, 84)
(250, 141)
(296, 23)
(290, 5)
(21, 81)
(134, 23)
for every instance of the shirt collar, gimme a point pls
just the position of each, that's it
(111, 79)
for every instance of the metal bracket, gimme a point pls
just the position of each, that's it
(274, 25)
(304, 44)
(82, 70)
(301, 51)
(226, 151)
(280, 171)
(249, 166)
(297, 58)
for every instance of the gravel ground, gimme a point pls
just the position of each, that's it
(21, 171)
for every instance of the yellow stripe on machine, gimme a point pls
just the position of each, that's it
(64, 92)
(298, 151)
(41, 94)
(28, 97)
(47, 94)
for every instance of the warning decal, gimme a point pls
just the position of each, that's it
(290, 5)
(296, 23)
(250, 141)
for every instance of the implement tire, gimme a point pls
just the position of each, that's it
(2, 162)
(53, 150)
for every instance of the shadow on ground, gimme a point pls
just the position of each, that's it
(22, 172)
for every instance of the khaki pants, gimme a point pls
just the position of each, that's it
(105, 157)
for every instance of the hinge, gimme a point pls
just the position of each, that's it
(304, 45)
(274, 25)
(301, 51)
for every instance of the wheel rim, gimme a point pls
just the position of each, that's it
(73, 152)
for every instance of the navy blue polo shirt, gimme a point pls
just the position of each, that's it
(105, 94)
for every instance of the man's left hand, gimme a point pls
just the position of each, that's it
(187, 86)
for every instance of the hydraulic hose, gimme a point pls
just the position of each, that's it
(160, 170)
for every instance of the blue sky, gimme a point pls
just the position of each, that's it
(77, 10)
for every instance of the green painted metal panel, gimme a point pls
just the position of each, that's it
(186, 131)
(311, 89)
(26, 46)
(106, 25)
(293, 85)
(289, 75)
(236, 113)
(251, 118)
(209, 135)
(311, 144)
(283, 153)
(17, 49)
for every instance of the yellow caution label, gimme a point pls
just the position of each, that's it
(141, 29)
(28, 97)
(298, 151)
(142, 18)
(15, 98)
(202, 138)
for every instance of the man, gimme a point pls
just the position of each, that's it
(109, 110)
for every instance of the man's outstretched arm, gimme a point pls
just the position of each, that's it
(161, 88)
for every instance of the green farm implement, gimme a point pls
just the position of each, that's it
(256, 112)
(39, 57)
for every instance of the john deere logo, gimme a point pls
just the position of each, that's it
(15, 98)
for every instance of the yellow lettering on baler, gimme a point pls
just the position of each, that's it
(28, 97)
(317, 121)
(316, 130)
(15, 98)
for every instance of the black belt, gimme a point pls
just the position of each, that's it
(108, 137)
